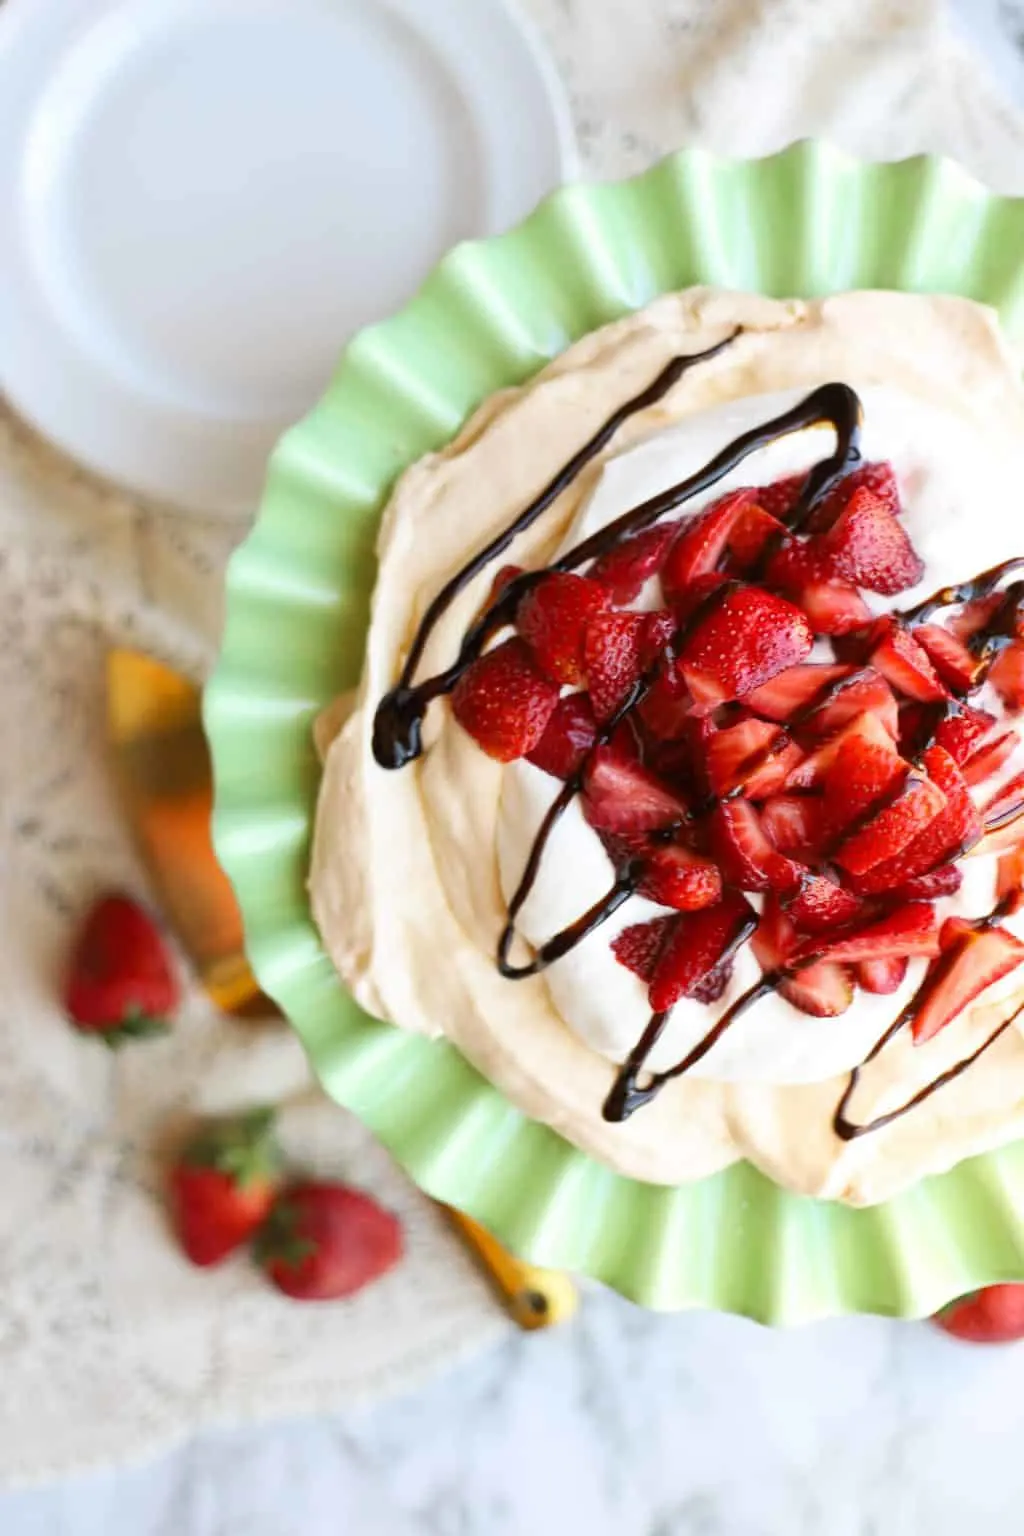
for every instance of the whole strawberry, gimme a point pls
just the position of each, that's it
(325, 1240)
(223, 1186)
(120, 984)
(994, 1315)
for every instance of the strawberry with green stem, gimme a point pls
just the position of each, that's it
(120, 983)
(223, 1185)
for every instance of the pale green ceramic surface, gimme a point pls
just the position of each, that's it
(808, 221)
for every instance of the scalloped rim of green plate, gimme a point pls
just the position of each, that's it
(807, 221)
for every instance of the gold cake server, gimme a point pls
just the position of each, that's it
(163, 768)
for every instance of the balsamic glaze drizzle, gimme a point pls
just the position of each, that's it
(397, 726)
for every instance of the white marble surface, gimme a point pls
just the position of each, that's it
(645, 1426)
(620, 1423)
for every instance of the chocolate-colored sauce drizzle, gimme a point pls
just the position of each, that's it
(397, 729)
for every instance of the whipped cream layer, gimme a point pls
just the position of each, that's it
(944, 464)
(411, 870)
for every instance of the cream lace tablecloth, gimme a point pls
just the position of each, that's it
(109, 1345)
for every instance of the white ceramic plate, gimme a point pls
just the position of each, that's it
(203, 199)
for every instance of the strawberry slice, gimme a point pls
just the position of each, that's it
(953, 662)
(864, 774)
(1004, 805)
(697, 950)
(1006, 675)
(832, 607)
(1010, 875)
(625, 569)
(621, 796)
(947, 837)
(637, 947)
(744, 854)
(963, 733)
(863, 692)
(553, 619)
(748, 637)
(905, 664)
(878, 477)
(677, 877)
(752, 532)
(907, 932)
(824, 990)
(795, 564)
(659, 629)
(613, 656)
(944, 881)
(973, 616)
(568, 737)
(780, 498)
(666, 708)
(752, 754)
(973, 960)
(815, 768)
(795, 690)
(794, 825)
(882, 976)
(821, 904)
(990, 757)
(504, 575)
(701, 542)
(915, 807)
(867, 546)
(504, 701)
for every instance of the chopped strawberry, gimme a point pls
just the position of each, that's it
(882, 976)
(794, 825)
(994, 1315)
(989, 757)
(1006, 675)
(745, 856)
(698, 594)
(795, 564)
(864, 774)
(1010, 877)
(701, 542)
(971, 617)
(963, 732)
(877, 477)
(905, 664)
(613, 656)
(667, 706)
(956, 667)
(753, 530)
(625, 569)
(676, 877)
(637, 947)
(867, 546)
(504, 701)
(916, 806)
(748, 637)
(947, 837)
(944, 881)
(973, 959)
(832, 607)
(815, 768)
(504, 575)
(821, 904)
(795, 690)
(568, 737)
(621, 796)
(659, 629)
(862, 692)
(780, 498)
(553, 619)
(909, 931)
(1004, 805)
(824, 990)
(752, 754)
(696, 946)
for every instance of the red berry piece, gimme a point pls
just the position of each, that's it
(638, 947)
(909, 931)
(223, 1185)
(324, 1241)
(869, 547)
(973, 960)
(795, 690)
(701, 542)
(904, 664)
(696, 947)
(553, 618)
(882, 977)
(614, 652)
(744, 854)
(623, 797)
(823, 990)
(677, 877)
(747, 638)
(953, 662)
(568, 736)
(504, 701)
(625, 569)
(994, 1315)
